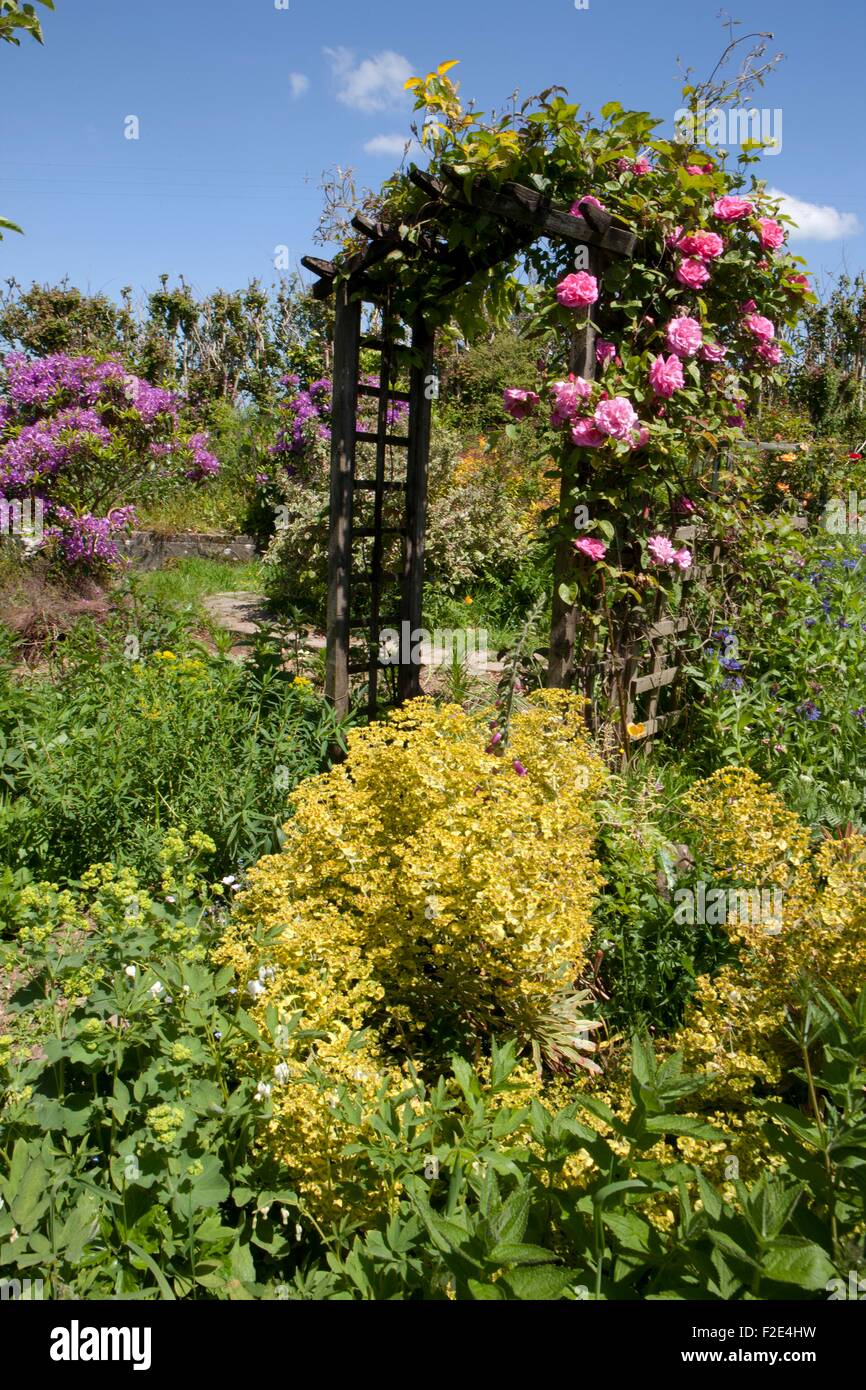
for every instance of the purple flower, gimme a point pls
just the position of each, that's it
(810, 710)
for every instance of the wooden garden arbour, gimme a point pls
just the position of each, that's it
(516, 217)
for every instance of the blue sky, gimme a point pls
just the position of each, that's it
(243, 105)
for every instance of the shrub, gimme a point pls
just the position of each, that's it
(735, 1027)
(431, 894)
(88, 440)
(132, 738)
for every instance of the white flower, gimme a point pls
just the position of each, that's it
(229, 880)
(266, 972)
(169, 898)
(282, 1072)
(131, 971)
(255, 988)
(156, 989)
(263, 1091)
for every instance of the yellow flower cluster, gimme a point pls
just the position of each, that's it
(734, 1028)
(427, 891)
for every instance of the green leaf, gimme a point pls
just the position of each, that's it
(793, 1260)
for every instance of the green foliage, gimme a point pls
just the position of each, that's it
(16, 16)
(132, 735)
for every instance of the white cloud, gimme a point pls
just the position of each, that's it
(299, 83)
(394, 145)
(375, 84)
(814, 222)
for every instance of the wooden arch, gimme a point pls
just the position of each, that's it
(363, 597)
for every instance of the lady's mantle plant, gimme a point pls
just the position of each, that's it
(87, 440)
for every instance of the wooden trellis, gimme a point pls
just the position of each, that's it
(362, 596)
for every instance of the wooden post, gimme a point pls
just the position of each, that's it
(563, 628)
(420, 408)
(347, 333)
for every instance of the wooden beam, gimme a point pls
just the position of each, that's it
(344, 414)
(409, 676)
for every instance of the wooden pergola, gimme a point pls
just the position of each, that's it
(364, 598)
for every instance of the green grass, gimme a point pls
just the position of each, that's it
(184, 583)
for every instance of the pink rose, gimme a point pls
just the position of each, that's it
(578, 290)
(772, 233)
(705, 245)
(640, 437)
(684, 504)
(623, 165)
(799, 284)
(684, 336)
(661, 550)
(604, 352)
(692, 273)
(673, 237)
(749, 307)
(585, 435)
(769, 352)
(666, 376)
(587, 198)
(615, 417)
(641, 167)
(699, 168)
(567, 396)
(713, 352)
(682, 558)
(591, 548)
(519, 403)
(761, 327)
(731, 209)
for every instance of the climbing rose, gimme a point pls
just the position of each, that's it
(692, 273)
(616, 417)
(684, 336)
(661, 550)
(591, 548)
(577, 291)
(567, 396)
(761, 327)
(641, 166)
(713, 352)
(769, 352)
(772, 233)
(585, 434)
(682, 558)
(587, 198)
(604, 351)
(705, 245)
(519, 403)
(798, 282)
(666, 376)
(730, 208)
(699, 168)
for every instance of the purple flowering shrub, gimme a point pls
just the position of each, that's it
(88, 441)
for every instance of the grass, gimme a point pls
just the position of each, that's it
(184, 583)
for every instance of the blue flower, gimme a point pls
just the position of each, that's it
(732, 683)
(729, 663)
(811, 710)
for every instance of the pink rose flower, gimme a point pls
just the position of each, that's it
(585, 434)
(731, 208)
(798, 283)
(567, 396)
(587, 198)
(666, 376)
(519, 403)
(604, 352)
(640, 437)
(692, 273)
(713, 352)
(623, 165)
(684, 504)
(641, 167)
(682, 558)
(749, 307)
(769, 352)
(578, 290)
(673, 237)
(684, 336)
(772, 233)
(705, 245)
(699, 168)
(615, 417)
(661, 550)
(590, 547)
(762, 328)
